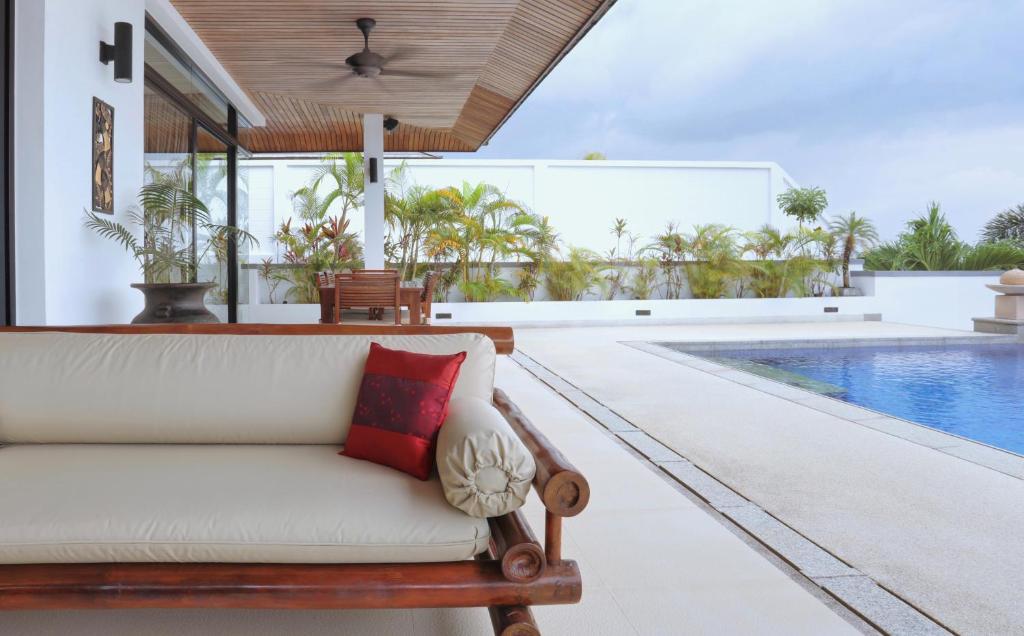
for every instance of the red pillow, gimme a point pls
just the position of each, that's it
(403, 401)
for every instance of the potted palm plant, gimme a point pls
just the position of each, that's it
(855, 233)
(168, 218)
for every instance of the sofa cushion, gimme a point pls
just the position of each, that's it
(484, 467)
(208, 503)
(200, 389)
(403, 400)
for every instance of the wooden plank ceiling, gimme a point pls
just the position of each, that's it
(483, 58)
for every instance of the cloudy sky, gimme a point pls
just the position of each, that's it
(885, 104)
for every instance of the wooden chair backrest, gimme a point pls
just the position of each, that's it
(429, 283)
(362, 289)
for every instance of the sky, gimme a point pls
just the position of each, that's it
(887, 105)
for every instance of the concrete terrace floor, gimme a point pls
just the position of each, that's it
(654, 560)
(940, 531)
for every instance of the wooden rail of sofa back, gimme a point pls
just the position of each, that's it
(504, 341)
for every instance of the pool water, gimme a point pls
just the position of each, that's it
(976, 391)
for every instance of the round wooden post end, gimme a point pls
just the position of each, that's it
(523, 563)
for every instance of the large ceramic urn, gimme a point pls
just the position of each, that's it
(174, 302)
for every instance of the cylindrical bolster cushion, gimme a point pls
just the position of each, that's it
(485, 469)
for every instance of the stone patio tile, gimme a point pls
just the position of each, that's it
(879, 606)
(648, 446)
(798, 550)
(610, 419)
(706, 486)
(704, 610)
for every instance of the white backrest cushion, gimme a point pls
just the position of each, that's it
(201, 389)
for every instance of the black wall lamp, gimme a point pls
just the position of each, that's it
(120, 52)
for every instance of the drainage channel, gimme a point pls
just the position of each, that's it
(878, 606)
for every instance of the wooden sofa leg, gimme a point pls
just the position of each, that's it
(513, 620)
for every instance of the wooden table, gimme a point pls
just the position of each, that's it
(410, 297)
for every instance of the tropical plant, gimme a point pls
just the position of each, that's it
(714, 260)
(803, 204)
(479, 227)
(322, 242)
(669, 248)
(541, 245)
(782, 265)
(822, 247)
(410, 212)
(854, 233)
(595, 156)
(620, 259)
(1008, 225)
(645, 279)
(574, 277)
(167, 216)
(930, 243)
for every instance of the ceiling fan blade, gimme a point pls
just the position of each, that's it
(325, 64)
(418, 74)
(400, 53)
(330, 82)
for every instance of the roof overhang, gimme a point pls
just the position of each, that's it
(288, 59)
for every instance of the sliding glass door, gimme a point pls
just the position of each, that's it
(191, 129)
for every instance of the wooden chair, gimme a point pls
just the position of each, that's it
(370, 289)
(375, 313)
(429, 283)
(325, 282)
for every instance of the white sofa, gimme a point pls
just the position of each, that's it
(168, 446)
(210, 448)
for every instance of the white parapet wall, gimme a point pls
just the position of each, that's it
(933, 299)
(608, 311)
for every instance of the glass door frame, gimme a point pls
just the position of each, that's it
(230, 140)
(7, 306)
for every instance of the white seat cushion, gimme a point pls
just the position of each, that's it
(207, 503)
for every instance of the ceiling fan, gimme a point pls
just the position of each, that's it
(371, 65)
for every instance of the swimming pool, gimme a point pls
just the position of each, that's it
(976, 391)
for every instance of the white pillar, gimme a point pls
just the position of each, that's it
(373, 207)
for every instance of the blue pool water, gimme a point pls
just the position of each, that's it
(976, 391)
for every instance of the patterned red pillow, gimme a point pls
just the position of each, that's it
(403, 401)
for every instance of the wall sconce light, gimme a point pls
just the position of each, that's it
(373, 169)
(120, 52)
(390, 123)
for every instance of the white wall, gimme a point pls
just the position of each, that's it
(934, 299)
(583, 198)
(65, 273)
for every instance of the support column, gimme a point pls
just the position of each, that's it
(373, 207)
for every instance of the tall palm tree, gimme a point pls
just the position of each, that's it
(856, 234)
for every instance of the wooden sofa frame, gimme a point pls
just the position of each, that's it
(516, 571)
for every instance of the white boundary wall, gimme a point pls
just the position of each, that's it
(581, 198)
(935, 299)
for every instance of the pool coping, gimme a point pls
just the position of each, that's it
(992, 457)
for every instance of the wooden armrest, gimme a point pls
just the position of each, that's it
(563, 489)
